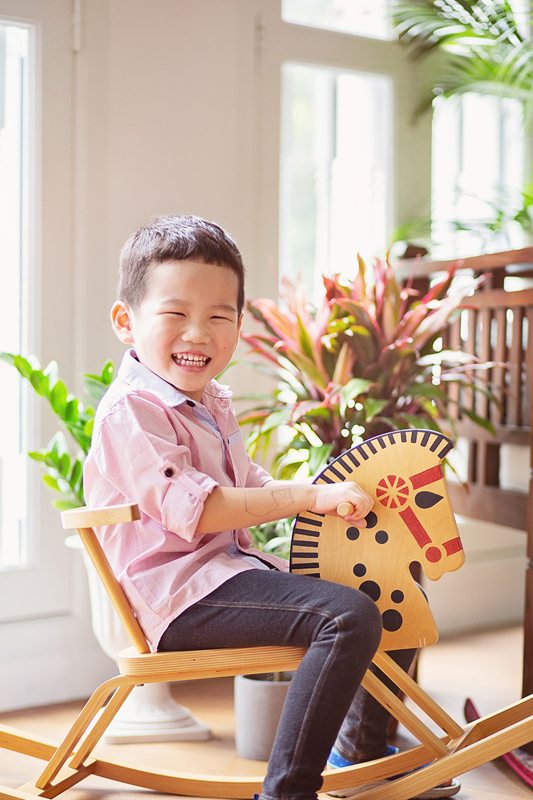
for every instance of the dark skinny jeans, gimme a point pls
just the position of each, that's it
(340, 626)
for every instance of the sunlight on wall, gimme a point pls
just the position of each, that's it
(14, 165)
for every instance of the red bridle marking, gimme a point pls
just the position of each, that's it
(415, 526)
(453, 546)
(427, 476)
(419, 533)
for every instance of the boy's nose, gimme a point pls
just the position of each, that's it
(196, 332)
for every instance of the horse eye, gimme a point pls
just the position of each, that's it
(427, 499)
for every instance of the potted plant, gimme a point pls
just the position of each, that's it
(150, 712)
(367, 360)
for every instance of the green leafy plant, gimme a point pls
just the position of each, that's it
(274, 537)
(62, 469)
(481, 47)
(510, 209)
(487, 50)
(368, 360)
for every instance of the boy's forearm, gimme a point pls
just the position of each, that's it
(229, 508)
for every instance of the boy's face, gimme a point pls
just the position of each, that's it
(187, 326)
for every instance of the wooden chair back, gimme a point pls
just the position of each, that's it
(83, 520)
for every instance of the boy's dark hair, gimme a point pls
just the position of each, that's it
(175, 238)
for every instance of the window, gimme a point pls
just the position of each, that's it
(478, 169)
(15, 161)
(335, 169)
(362, 17)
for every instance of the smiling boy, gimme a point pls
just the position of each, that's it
(187, 326)
(166, 438)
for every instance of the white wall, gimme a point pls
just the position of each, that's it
(165, 101)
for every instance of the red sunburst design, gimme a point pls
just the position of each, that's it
(392, 491)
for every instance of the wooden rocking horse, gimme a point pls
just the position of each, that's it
(412, 520)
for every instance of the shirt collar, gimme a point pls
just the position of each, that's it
(138, 376)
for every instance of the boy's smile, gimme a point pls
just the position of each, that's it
(187, 326)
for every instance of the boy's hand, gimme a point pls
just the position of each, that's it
(350, 496)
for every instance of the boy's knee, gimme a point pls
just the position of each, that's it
(364, 617)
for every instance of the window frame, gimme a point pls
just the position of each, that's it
(278, 42)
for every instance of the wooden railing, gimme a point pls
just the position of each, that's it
(496, 325)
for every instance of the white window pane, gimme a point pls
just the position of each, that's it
(335, 170)
(14, 160)
(478, 167)
(360, 17)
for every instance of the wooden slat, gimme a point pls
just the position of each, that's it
(92, 518)
(208, 663)
(415, 692)
(77, 730)
(503, 434)
(452, 341)
(499, 298)
(114, 589)
(514, 402)
(528, 387)
(404, 715)
(484, 352)
(497, 414)
(490, 503)
(483, 263)
(470, 347)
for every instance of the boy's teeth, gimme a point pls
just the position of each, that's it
(196, 360)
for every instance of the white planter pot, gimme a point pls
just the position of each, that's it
(150, 714)
(259, 702)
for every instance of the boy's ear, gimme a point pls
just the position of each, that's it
(122, 319)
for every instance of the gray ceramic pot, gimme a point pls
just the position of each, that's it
(259, 702)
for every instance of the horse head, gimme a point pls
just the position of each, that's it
(411, 521)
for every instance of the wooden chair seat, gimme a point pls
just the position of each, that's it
(196, 664)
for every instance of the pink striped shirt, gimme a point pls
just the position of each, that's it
(153, 446)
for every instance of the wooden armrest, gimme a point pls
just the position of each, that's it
(93, 517)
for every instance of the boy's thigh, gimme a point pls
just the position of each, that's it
(259, 607)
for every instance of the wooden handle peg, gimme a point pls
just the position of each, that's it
(344, 509)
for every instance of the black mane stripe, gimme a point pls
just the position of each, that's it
(420, 436)
(304, 543)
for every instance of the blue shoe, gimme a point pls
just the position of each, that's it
(336, 761)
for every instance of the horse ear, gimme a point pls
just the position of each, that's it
(427, 499)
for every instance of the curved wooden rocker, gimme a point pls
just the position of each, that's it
(412, 520)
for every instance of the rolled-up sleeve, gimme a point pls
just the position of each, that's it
(138, 452)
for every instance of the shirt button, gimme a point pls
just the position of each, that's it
(190, 403)
(169, 472)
